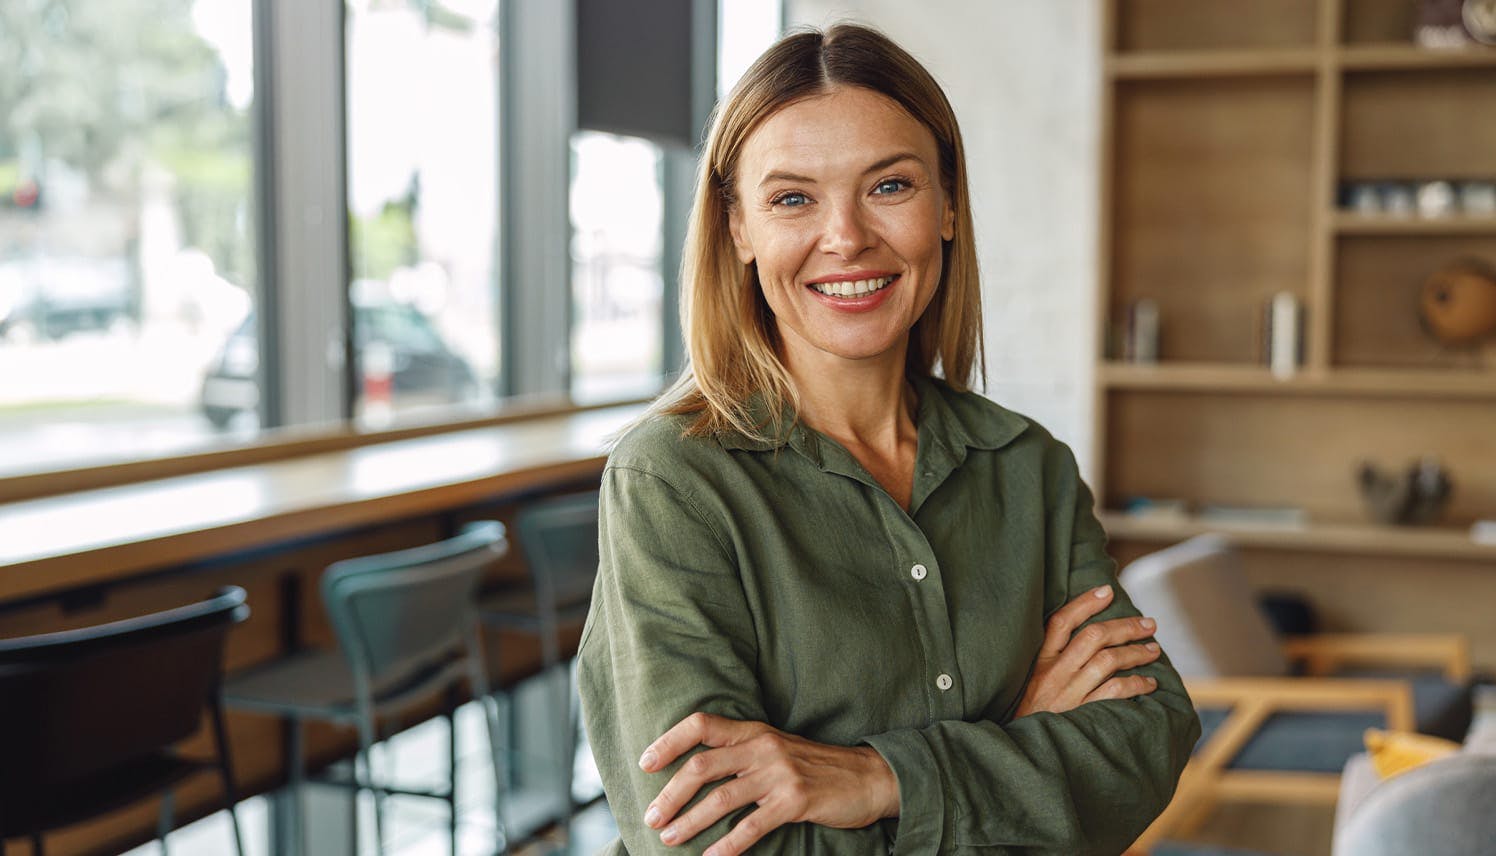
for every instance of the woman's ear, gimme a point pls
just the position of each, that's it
(948, 221)
(739, 235)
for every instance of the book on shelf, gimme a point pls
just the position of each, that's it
(1278, 516)
(1157, 510)
(1483, 532)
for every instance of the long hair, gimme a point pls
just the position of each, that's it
(731, 338)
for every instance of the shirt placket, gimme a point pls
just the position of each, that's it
(922, 580)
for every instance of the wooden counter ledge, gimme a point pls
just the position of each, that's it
(88, 537)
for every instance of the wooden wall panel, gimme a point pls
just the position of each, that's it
(1211, 208)
(1264, 449)
(1165, 25)
(1419, 125)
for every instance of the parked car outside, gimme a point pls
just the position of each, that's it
(49, 298)
(423, 369)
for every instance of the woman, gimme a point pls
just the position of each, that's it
(838, 603)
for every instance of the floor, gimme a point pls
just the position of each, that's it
(419, 827)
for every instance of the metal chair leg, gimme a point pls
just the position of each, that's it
(226, 770)
(366, 751)
(296, 775)
(478, 684)
(164, 820)
(452, 766)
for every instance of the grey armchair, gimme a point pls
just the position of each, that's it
(1280, 716)
(1444, 808)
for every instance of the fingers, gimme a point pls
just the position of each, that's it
(1109, 662)
(1127, 686)
(696, 773)
(1094, 639)
(1063, 623)
(698, 729)
(747, 833)
(725, 799)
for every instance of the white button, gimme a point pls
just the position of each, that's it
(918, 572)
(944, 682)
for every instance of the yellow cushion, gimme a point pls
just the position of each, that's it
(1394, 752)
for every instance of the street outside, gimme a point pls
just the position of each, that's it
(99, 396)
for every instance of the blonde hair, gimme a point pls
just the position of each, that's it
(730, 334)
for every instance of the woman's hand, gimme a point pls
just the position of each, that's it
(790, 778)
(1076, 667)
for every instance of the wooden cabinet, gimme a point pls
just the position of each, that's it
(1231, 132)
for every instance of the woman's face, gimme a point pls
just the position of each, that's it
(840, 205)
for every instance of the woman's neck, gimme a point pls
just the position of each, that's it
(867, 404)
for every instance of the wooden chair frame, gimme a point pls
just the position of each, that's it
(1208, 781)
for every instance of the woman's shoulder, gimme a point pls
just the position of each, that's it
(988, 424)
(661, 445)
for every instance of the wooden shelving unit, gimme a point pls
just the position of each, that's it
(1369, 383)
(1408, 57)
(1353, 538)
(1347, 223)
(1227, 137)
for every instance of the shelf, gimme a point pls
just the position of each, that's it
(1221, 63)
(1227, 63)
(1360, 538)
(1370, 383)
(1349, 223)
(1394, 57)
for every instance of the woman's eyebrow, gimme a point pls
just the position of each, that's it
(883, 163)
(892, 159)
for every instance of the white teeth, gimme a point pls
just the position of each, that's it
(857, 288)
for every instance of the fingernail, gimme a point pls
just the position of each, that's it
(711, 851)
(648, 759)
(668, 836)
(1148, 623)
(652, 816)
(1151, 646)
(1152, 682)
(1104, 591)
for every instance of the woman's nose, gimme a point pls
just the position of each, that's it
(847, 232)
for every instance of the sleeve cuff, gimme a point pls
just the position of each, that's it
(921, 797)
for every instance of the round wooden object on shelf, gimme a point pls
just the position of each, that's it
(1458, 303)
(1480, 20)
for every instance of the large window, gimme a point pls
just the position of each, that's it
(148, 307)
(127, 253)
(423, 203)
(617, 284)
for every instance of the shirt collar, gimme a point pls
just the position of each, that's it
(944, 415)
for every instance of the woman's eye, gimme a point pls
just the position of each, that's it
(889, 186)
(790, 200)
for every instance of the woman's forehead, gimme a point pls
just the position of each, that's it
(848, 128)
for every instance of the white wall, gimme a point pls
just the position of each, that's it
(1024, 77)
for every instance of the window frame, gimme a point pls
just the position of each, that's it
(299, 197)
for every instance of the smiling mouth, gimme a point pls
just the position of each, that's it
(854, 288)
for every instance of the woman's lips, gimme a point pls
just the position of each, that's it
(865, 303)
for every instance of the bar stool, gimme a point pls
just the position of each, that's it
(88, 717)
(407, 627)
(558, 536)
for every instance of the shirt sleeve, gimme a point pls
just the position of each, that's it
(1086, 781)
(670, 634)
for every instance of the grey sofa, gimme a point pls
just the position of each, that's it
(1444, 808)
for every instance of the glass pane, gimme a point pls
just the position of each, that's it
(617, 209)
(423, 203)
(745, 29)
(127, 256)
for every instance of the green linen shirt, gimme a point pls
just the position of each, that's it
(781, 583)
